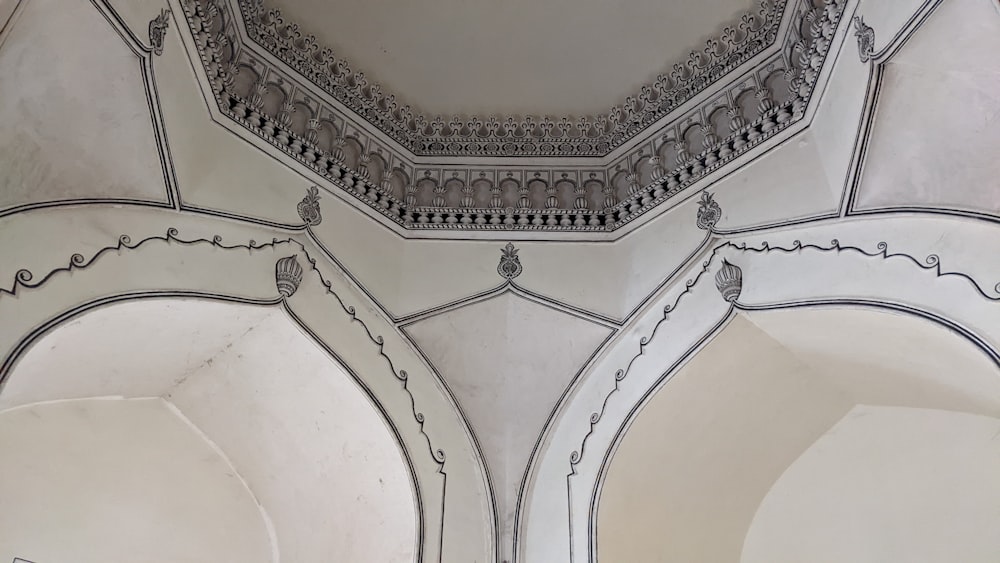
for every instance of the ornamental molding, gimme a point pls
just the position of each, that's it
(459, 135)
(865, 35)
(510, 265)
(733, 103)
(158, 30)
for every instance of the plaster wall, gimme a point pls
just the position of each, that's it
(71, 132)
(120, 480)
(307, 441)
(935, 130)
(887, 484)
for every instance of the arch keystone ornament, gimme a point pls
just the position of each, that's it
(866, 39)
(729, 281)
(288, 275)
(158, 30)
(510, 265)
(308, 208)
(709, 212)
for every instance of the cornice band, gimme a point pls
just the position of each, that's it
(280, 106)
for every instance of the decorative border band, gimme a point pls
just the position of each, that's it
(283, 110)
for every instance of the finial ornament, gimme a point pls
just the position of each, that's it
(309, 208)
(158, 30)
(709, 212)
(510, 264)
(866, 39)
(288, 275)
(729, 281)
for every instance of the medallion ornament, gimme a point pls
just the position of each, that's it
(866, 39)
(308, 208)
(729, 281)
(288, 275)
(709, 212)
(510, 265)
(158, 30)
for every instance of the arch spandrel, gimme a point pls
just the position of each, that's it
(795, 269)
(243, 270)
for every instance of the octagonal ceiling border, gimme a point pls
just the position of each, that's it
(262, 96)
(497, 135)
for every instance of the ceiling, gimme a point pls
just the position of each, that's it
(310, 447)
(727, 426)
(551, 57)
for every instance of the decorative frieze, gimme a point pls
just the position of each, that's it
(596, 135)
(748, 110)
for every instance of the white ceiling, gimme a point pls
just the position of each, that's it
(553, 57)
(887, 484)
(508, 361)
(695, 465)
(94, 480)
(310, 445)
(69, 110)
(947, 74)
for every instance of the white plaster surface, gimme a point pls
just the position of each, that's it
(687, 478)
(520, 56)
(694, 466)
(308, 442)
(215, 168)
(73, 104)
(937, 131)
(887, 484)
(789, 182)
(94, 480)
(508, 361)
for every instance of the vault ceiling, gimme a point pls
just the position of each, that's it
(700, 458)
(508, 374)
(746, 89)
(523, 57)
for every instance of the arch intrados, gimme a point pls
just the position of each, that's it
(797, 317)
(39, 343)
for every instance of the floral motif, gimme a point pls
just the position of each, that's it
(709, 212)
(866, 39)
(509, 135)
(524, 202)
(158, 30)
(510, 264)
(308, 208)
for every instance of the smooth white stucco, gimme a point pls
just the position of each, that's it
(508, 361)
(93, 481)
(936, 131)
(71, 132)
(693, 468)
(887, 484)
(308, 442)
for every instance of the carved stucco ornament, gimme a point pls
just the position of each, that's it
(288, 275)
(709, 212)
(510, 265)
(866, 39)
(308, 208)
(158, 30)
(729, 281)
